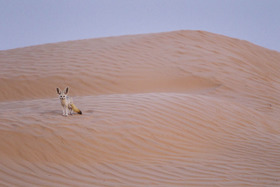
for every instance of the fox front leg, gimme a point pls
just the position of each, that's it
(63, 111)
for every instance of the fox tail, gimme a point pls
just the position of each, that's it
(75, 109)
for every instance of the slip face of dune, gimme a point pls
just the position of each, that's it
(184, 108)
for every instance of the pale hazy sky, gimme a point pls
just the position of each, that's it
(32, 22)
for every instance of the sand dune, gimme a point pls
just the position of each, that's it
(180, 108)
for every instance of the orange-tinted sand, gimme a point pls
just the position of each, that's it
(181, 108)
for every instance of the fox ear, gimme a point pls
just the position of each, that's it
(66, 90)
(58, 91)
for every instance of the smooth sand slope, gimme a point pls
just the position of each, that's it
(181, 108)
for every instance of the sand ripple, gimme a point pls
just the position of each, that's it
(172, 109)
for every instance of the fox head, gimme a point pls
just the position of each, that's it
(62, 95)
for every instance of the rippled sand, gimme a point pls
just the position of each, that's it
(181, 108)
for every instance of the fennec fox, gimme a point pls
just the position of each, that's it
(67, 102)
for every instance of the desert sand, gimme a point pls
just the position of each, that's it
(182, 108)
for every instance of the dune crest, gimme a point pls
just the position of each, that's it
(180, 108)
